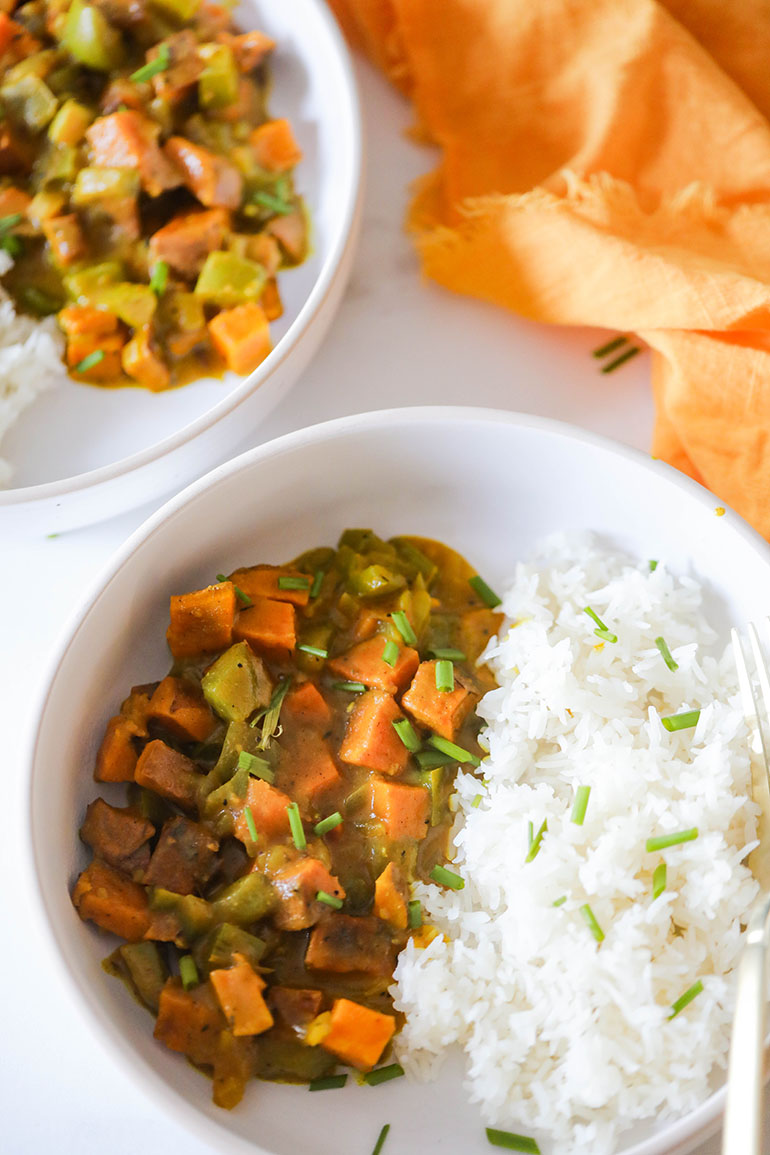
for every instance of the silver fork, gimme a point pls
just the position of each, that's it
(742, 1133)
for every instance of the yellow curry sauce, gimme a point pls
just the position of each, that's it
(287, 782)
(146, 197)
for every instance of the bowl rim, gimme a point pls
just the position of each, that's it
(351, 198)
(682, 1134)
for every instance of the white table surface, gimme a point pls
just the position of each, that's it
(396, 341)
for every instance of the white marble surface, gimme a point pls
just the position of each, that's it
(397, 341)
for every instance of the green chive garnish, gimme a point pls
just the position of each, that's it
(247, 814)
(621, 360)
(295, 824)
(318, 581)
(666, 653)
(381, 1139)
(384, 1074)
(685, 999)
(659, 880)
(351, 687)
(591, 923)
(456, 753)
(327, 1083)
(414, 907)
(89, 361)
(329, 900)
(316, 651)
(534, 843)
(10, 221)
(431, 759)
(390, 653)
(653, 564)
(559, 901)
(188, 972)
(286, 582)
(445, 877)
(476, 801)
(241, 596)
(404, 627)
(450, 655)
(159, 278)
(445, 676)
(512, 1142)
(601, 631)
(327, 824)
(663, 841)
(610, 347)
(271, 715)
(256, 766)
(153, 67)
(403, 728)
(530, 832)
(683, 721)
(273, 204)
(580, 805)
(487, 595)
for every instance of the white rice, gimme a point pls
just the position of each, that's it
(564, 1038)
(30, 362)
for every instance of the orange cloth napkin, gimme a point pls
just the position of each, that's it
(607, 162)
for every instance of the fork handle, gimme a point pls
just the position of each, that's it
(743, 1112)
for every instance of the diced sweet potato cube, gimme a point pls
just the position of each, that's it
(184, 858)
(188, 238)
(182, 710)
(268, 627)
(169, 774)
(239, 992)
(264, 581)
(241, 336)
(65, 237)
(249, 48)
(78, 319)
(271, 300)
(370, 739)
(390, 897)
(208, 176)
(275, 147)
(306, 706)
(404, 811)
(443, 712)
(115, 903)
(343, 944)
(364, 663)
(268, 808)
(118, 837)
(357, 1035)
(296, 1007)
(117, 756)
(134, 708)
(307, 769)
(298, 886)
(189, 1022)
(202, 621)
(128, 139)
(13, 200)
(144, 363)
(109, 349)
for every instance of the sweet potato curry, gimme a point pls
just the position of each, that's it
(145, 196)
(288, 781)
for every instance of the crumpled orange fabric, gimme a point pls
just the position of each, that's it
(607, 162)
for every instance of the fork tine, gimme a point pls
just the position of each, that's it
(764, 685)
(747, 693)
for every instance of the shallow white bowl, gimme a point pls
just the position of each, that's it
(488, 483)
(82, 453)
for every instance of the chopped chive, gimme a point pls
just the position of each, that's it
(450, 655)
(316, 651)
(327, 1083)
(663, 841)
(329, 900)
(384, 1074)
(153, 67)
(10, 221)
(318, 581)
(241, 596)
(606, 635)
(534, 846)
(487, 595)
(602, 631)
(89, 361)
(445, 676)
(580, 805)
(559, 901)
(352, 687)
(390, 653)
(159, 278)
(326, 824)
(295, 823)
(221, 577)
(381, 1139)
(272, 714)
(653, 563)
(431, 759)
(591, 923)
(404, 627)
(685, 999)
(593, 614)
(405, 731)
(530, 832)
(247, 814)
(256, 766)
(414, 906)
(683, 721)
(445, 877)
(512, 1142)
(621, 360)
(188, 972)
(666, 652)
(476, 801)
(610, 347)
(456, 753)
(286, 582)
(659, 880)
(273, 204)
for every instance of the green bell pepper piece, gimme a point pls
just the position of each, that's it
(147, 970)
(30, 101)
(227, 280)
(218, 83)
(237, 684)
(91, 39)
(245, 901)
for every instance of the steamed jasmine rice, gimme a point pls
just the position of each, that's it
(557, 970)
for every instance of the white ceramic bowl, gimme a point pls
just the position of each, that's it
(488, 483)
(82, 453)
